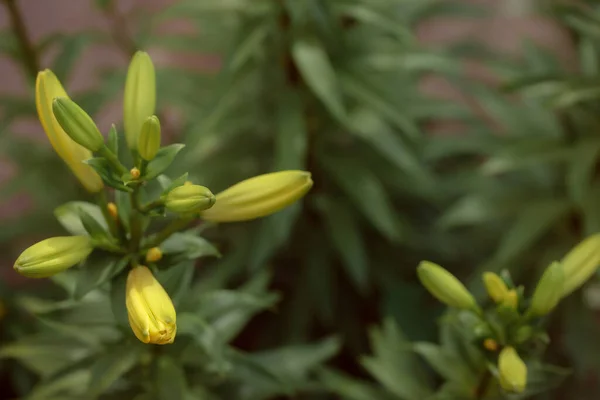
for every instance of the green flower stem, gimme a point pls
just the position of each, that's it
(112, 224)
(112, 159)
(175, 226)
(135, 223)
(149, 206)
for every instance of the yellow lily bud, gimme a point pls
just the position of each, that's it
(259, 196)
(48, 87)
(495, 286)
(580, 264)
(149, 141)
(512, 370)
(445, 287)
(140, 96)
(149, 308)
(53, 255)
(511, 299)
(77, 123)
(112, 210)
(188, 199)
(135, 173)
(490, 344)
(548, 291)
(153, 255)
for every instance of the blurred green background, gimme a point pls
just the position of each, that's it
(462, 132)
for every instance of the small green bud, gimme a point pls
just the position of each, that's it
(511, 300)
(53, 255)
(512, 370)
(548, 291)
(149, 141)
(77, 123)
(495, 286)
(139, 100)
(188, 199)
(445, 287)
(580, 264)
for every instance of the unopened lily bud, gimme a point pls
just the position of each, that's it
(512, 371)
(511, 300)
(112, 210)
(150, 309)
(495, 286)
(149, 141)
(580, 264)
(548, 291)
(188, 199)
(490, 344)
(53, 255)
(135, 173)
(139, 101)
(77, 123)
(259, 196)
(153, 255)
(445, 287)
(47, 88)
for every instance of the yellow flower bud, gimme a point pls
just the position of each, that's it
(149, 141)
(511, 299)
(112, 210)
(188, 199)
(153, 255)
(512, 371)
(149, 308)
(445, 287)
(580, 264)
(259, 196)
(135, 173)
(548, 291)
(77, 123)
(490, 344)
(495, 286)
(53, 255)
(140, 96)
(48, 87)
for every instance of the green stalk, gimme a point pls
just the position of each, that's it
(112, 159)
(173, 227)
(112, 224)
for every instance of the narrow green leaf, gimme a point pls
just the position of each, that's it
(170, 379)
(313, 63)
(117, 299)
(292, 135)
(69, 216)
(103, 168)
(346, 236)
(111, 366)
(581, 170)
(97, 269)
(162, 160)
(113, 139)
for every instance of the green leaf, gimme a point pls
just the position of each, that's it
(394, 365)
(162, 161)
(170, 379)
(97, 269)
(368, 194)
(229, 311)
(111, 366)
(581, 170)
(445, 364)
(124, 206)
(117, 299)
(103, 168)
(313, 63)
(73, 383)
(188, 246)
(292, 135)
(169, 185)
(272, 234)
(176, 280)
(205, 336)
(346, 236)
(350, 388)
(532, 223)
(113, 140)
(93, 227)
(69, 216)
